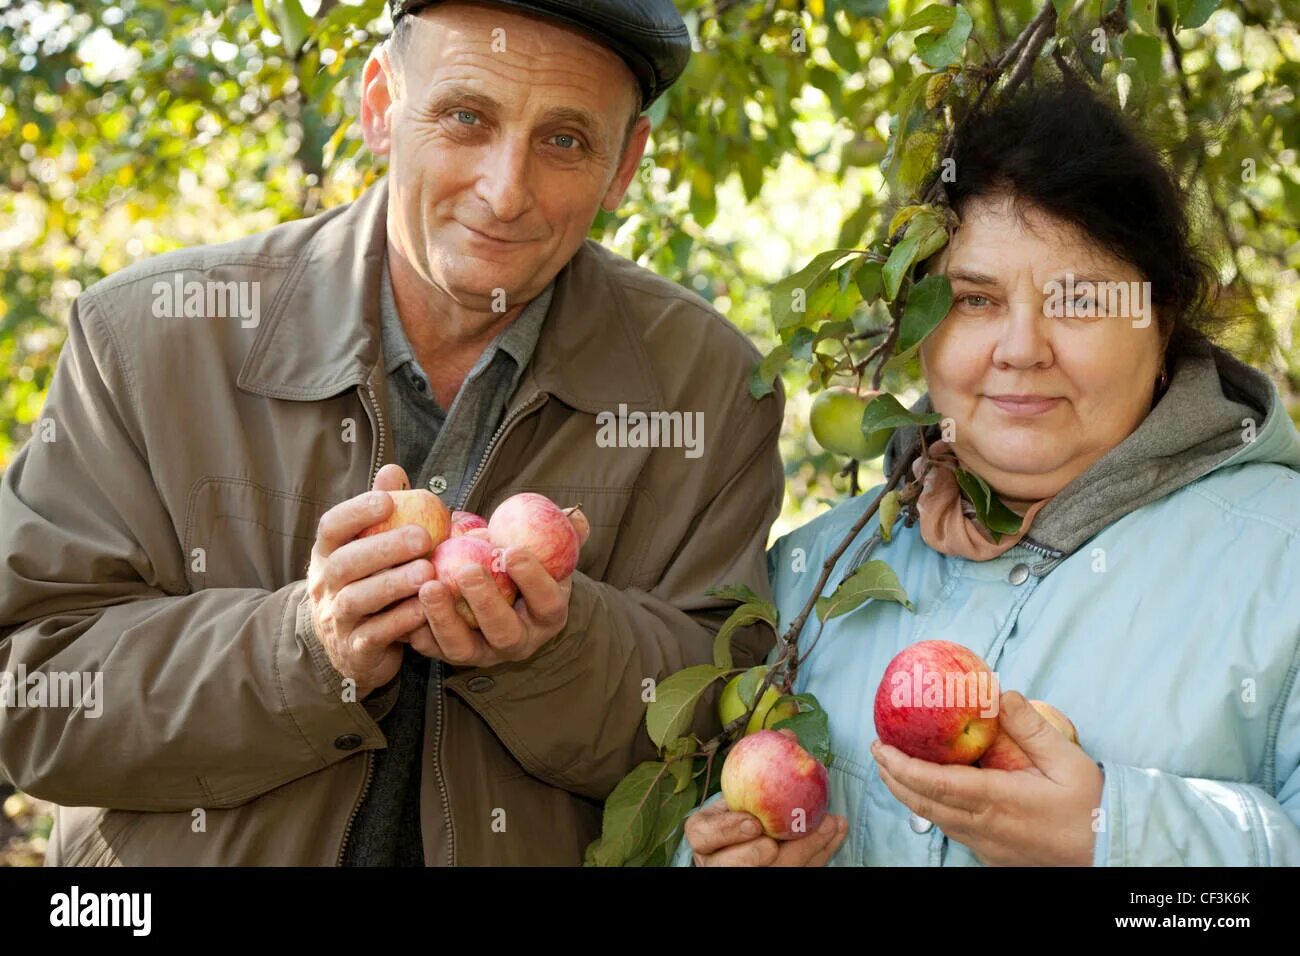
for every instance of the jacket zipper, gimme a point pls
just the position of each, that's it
(492, 444)
(437, 743)
(379, 428)
(373, 407)
(1042, 549)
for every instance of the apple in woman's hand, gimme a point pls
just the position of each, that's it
(784, 786)
(1005, 754)
(938, 701)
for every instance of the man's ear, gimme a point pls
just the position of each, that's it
(628, 165)
(378, 85)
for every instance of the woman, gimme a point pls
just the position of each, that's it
(1153, 590)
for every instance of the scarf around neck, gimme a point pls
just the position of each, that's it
(948, 523)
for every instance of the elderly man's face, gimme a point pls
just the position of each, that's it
(505, 135)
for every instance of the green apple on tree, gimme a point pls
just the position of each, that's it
(732, 705)
(837, 424)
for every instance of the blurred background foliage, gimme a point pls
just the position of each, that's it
(134, 127)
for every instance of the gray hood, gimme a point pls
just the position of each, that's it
(1195, 428)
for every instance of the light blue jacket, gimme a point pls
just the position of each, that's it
(1171, 638)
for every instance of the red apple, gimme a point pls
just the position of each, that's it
(938, 701)
(769, 775)
(537, 524)
(454, 554)
(418, 507)
(1005, 754)
(463, 522)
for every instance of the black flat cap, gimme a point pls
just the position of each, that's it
(648, 34)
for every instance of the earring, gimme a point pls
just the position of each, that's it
(1163, 382)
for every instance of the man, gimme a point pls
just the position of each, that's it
(278, 690)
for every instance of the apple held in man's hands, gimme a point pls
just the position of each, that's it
(465, 550)
(731, 705)
(417, 507)
(463, 522)
(836, 421)
(769, 775)
(938, 701)
(1005, 754)
(538, 525)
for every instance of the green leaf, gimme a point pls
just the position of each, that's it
(927, 305)
(920, 159)
(1146, 50)
(926, 234)
(903, 116)
(295, 25)
(885, 411)
(1194, 13)
(811, 725)
(748, 684)
(868, 280)
(989, 509)
(673, 809)
(742, 616)
(673, 709)
(762, 379)
(263, 18)
(1063, 6)
(843, 50)
(890, 507)
(790, 296)
(1143, 13)
(681, 766)
(874, 580)
(938, 50)
(734, 592)
(631, 812)
(934, 15)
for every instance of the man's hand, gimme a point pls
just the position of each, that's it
(723, 837)
(363, 591)
(506, 632)
(1007, 818)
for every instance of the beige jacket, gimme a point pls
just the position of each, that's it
(161, 540)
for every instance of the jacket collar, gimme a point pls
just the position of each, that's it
(321, 334)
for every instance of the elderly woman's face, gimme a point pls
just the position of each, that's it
(1037, 394)
(505, 136)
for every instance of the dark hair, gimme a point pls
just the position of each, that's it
(1062, 148)
(399, 39)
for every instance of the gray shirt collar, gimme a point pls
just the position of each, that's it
(518, 340)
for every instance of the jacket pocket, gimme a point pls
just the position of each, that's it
(239, 534)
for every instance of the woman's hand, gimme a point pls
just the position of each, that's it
(723, 837)
(1007, 818)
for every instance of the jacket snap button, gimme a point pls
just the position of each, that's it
(347, 742)
(1019, 574)
(480, 685)
(437, 484)
(919, 824)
